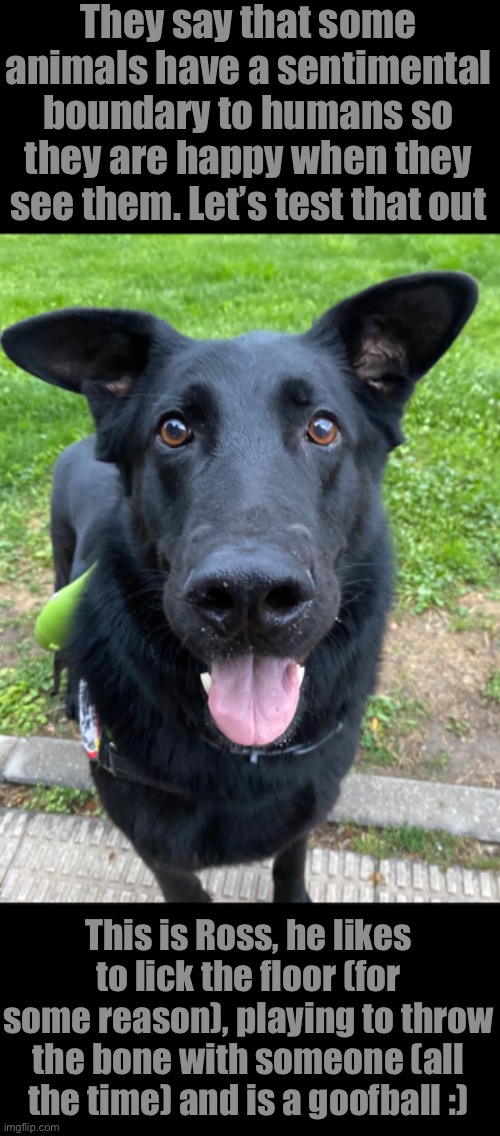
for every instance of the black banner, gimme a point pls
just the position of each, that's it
(261, 1011)
(249, 119)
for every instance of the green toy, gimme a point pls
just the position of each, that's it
(54, 622)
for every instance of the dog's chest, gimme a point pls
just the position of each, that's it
(215, 831)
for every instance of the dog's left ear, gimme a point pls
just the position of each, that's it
(75, 346)
(97, 352)
(394, 332)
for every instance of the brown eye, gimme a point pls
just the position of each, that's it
(174, 432)
(322, 430)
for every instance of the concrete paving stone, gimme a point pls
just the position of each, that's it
(462, 810)
(487, 885)
(452, 880)
(12, 825)
(13, 822)
(7, 744)
(51, 858)
(332, 863)
(50, 761)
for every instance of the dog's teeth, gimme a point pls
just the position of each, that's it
(300, 673)
(206, 681)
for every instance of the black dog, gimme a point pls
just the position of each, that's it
(230, 633)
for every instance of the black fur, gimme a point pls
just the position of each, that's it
(248, 537)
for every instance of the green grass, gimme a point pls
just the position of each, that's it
(436, 847)
(492, 688)
(465, 620)
(441, 490)
(385, 721)
(438, 764)
(459, 727)
(24, 696)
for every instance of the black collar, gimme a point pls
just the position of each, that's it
(121, 767)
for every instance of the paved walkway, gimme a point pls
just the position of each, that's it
(50, 858)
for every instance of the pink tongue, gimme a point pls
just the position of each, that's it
(253, 699)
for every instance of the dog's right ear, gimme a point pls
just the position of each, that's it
(92, 351)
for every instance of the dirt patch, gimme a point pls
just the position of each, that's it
(437, 719)
(437, 673)
(17, 597)
(20, 603)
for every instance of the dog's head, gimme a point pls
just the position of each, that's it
(253, 466)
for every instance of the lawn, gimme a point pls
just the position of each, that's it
(442, 487)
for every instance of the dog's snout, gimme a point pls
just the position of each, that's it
(257, 592)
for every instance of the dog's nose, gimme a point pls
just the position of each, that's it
(256, 591)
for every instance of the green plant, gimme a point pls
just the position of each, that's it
(438, 764)
(433, 847)
(385, 720)
(492, 688)
(465, 620)
(458, 726)
(23, 702)
(60, 799)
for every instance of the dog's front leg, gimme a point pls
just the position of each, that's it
(177, 886)
(71, 702)
(59, 666)
(72, 696)
(288, 874)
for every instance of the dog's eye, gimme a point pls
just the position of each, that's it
(322, 430)
(173, 431)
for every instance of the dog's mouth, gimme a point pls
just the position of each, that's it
(253, 699)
